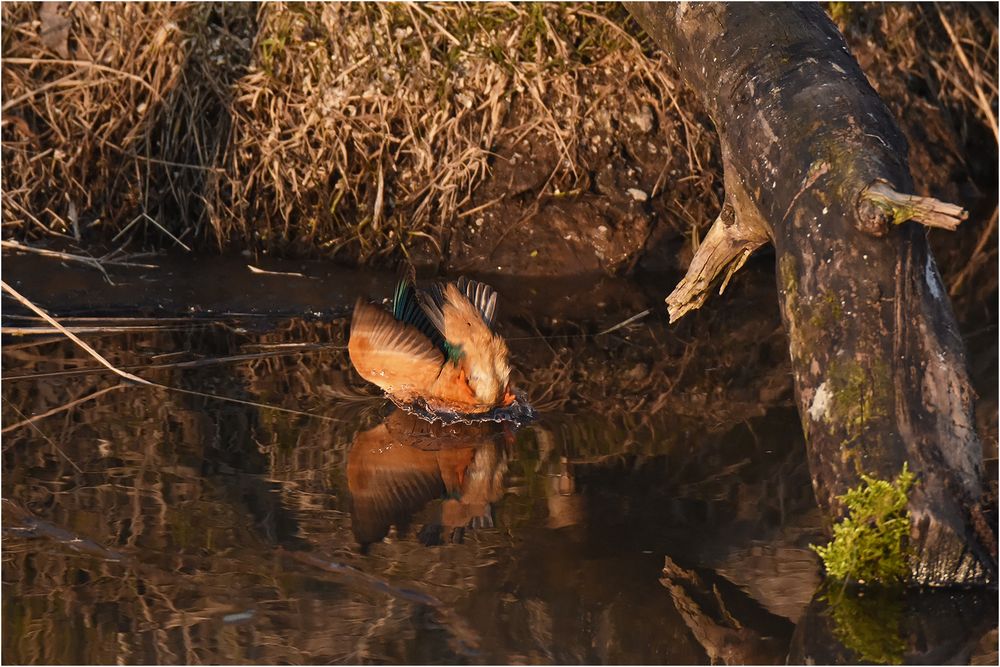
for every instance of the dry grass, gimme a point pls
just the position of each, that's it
(372, 131)
(356, 129)
(113, 111)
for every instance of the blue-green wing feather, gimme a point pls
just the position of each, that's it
(406, 308)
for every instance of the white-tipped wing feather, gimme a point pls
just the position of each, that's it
(482, 296)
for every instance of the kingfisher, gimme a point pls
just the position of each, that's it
(438, 347)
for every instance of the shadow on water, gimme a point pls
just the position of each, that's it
(624, 526)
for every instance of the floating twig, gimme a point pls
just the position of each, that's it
(264, 272)
(634, 318)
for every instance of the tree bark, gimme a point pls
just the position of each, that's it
(814, 163)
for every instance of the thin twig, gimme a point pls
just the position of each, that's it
(42, 433)
(61, 408)
(973, 262)
(138, 380)
(126, 228)
(984, 104)
(166, 231)
(90, 261)
(240, 401)
(72, 336)
(637, 316)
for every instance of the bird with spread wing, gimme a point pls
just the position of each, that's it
(437, 347)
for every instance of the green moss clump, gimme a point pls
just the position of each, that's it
(869, 545)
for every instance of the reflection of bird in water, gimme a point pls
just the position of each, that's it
(437, 346)
(396, 468)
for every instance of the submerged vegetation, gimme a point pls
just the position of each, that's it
(870, 544)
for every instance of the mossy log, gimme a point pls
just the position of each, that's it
(815, 164)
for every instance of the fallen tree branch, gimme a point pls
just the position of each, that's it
(814, 162)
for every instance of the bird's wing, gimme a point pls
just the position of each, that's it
(432, 302)
(390, 353)
(464, 325)
(480, 295)
(406, 307)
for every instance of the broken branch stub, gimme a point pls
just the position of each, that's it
(724, 246)
(809, 153)
(896, 208)
(735, 234)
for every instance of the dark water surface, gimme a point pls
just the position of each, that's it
(659, 511)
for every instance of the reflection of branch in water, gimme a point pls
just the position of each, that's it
(28, 525)
(465, 641)
(722, 636)
(142, 381)
(62, 408)
(191, 363)
(31, 422)
(18, 521)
